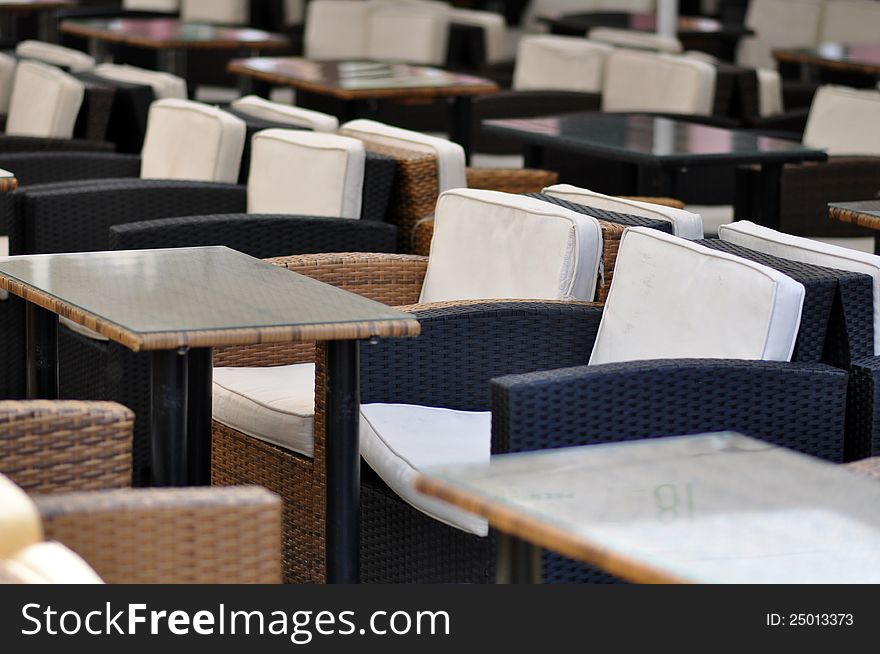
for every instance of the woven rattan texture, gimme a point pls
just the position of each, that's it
(10, 144)
(171, 536)
(47, 167)
(626, 219)
(49, 447)
(863, 409)
(857, 217)
(511, 180)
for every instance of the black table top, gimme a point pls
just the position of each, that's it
(642, 138)
(582, 22)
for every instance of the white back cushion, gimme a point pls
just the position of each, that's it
(151, 5)
(19, 519)
(336, 29)
(805, 250)
(850, 21)
(636, 39)
(310, 173)
(489, 244)
(7, 79)
(415, 33)
(74, 60)
(164, 85)
(45, 102)
(51, 563)
(220, 12)
(684, 223)
(648, 81)
(294, 12)
(561, 63)
(258, 107)
(769, 92)
(190, 140)
(494, 28)
(673, 299)
(844, 121)
(451, 170)
(778, 24)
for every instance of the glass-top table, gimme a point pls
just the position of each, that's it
(863, 58)
(178, 304)
(718, 508)
(657, 146)
(865, 213)
(46, 17)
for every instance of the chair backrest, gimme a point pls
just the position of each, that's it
(559, 63)
(636, 40)
(684, 223)
(450, 156)
(412, 32)
(335, 29)
(294, 12)
(275, 112)
(7, 79)
(308, 173)
(844, 121)
(217, 12)
(192, 141)
(164, 85)
(494, 30)
(805, 250)
(672, 298)
(648, 81)
(778, 24)
(168, 6)
(850, 21)
(57, 55)
(489, 244)
(45, 102)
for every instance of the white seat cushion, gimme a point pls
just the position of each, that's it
(7, 78)
(495, 37)
(20, 523)
(50, 563)
(844, 121)
(635, 39)
(415, 33)
(805, 250)
(399, 440)
(257, 107)
(57, 55)
(218, 12)
(335, 29)
(450, 156)
(308, 173)
(560, 63)
(674, 299)
(489, 244)
(684, 223)
(45, 102)
(648, 81)
(164, 85)
(275, 404)
(190, 140)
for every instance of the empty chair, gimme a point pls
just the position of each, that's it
(661, 83)
(45, 102)
(561, 63)
(636, 40)
(844, 121)
(275, 112)
(164, 85)
(335, 29)
(496, 38)
(849, 21)
(778, 24)
(411, 32)
(7, 79)
(217, 12)
(73, 60)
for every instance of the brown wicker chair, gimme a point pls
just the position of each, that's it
(74, 458)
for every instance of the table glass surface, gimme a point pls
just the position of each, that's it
(859, 54)
(172, 30)
(191, 289)
(867, 207)
(648, 137)
(641, 21)
(358, 75)
(719, 508)
(36, 4)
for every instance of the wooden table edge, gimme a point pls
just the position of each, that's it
(537, 532)
(85, 31)
(794, 57)
(853, 217)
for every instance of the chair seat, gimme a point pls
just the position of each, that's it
(399, 440)
(274, 404)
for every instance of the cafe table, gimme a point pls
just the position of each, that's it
(658, 147)
(180, 303)
(46, 16)
(853, 58)
(865, 213)
(715, 508)
(170, 38)
(357, 83)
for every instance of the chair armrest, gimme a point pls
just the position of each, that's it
(52, 447)
(9, 143)
(76, 217)
(463, 345)
(259, 235)
(48, 167)
(511, 180)
(790, 124)
(795, 405)
(863, 409)
(171, 536)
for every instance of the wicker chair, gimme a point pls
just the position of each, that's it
(73, 458)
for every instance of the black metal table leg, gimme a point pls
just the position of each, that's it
(533, 156)
(771, 181)
(42, 353)
(518, 562)
(198, 416)
(460, 123)
(168, 426)
(342, 393)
